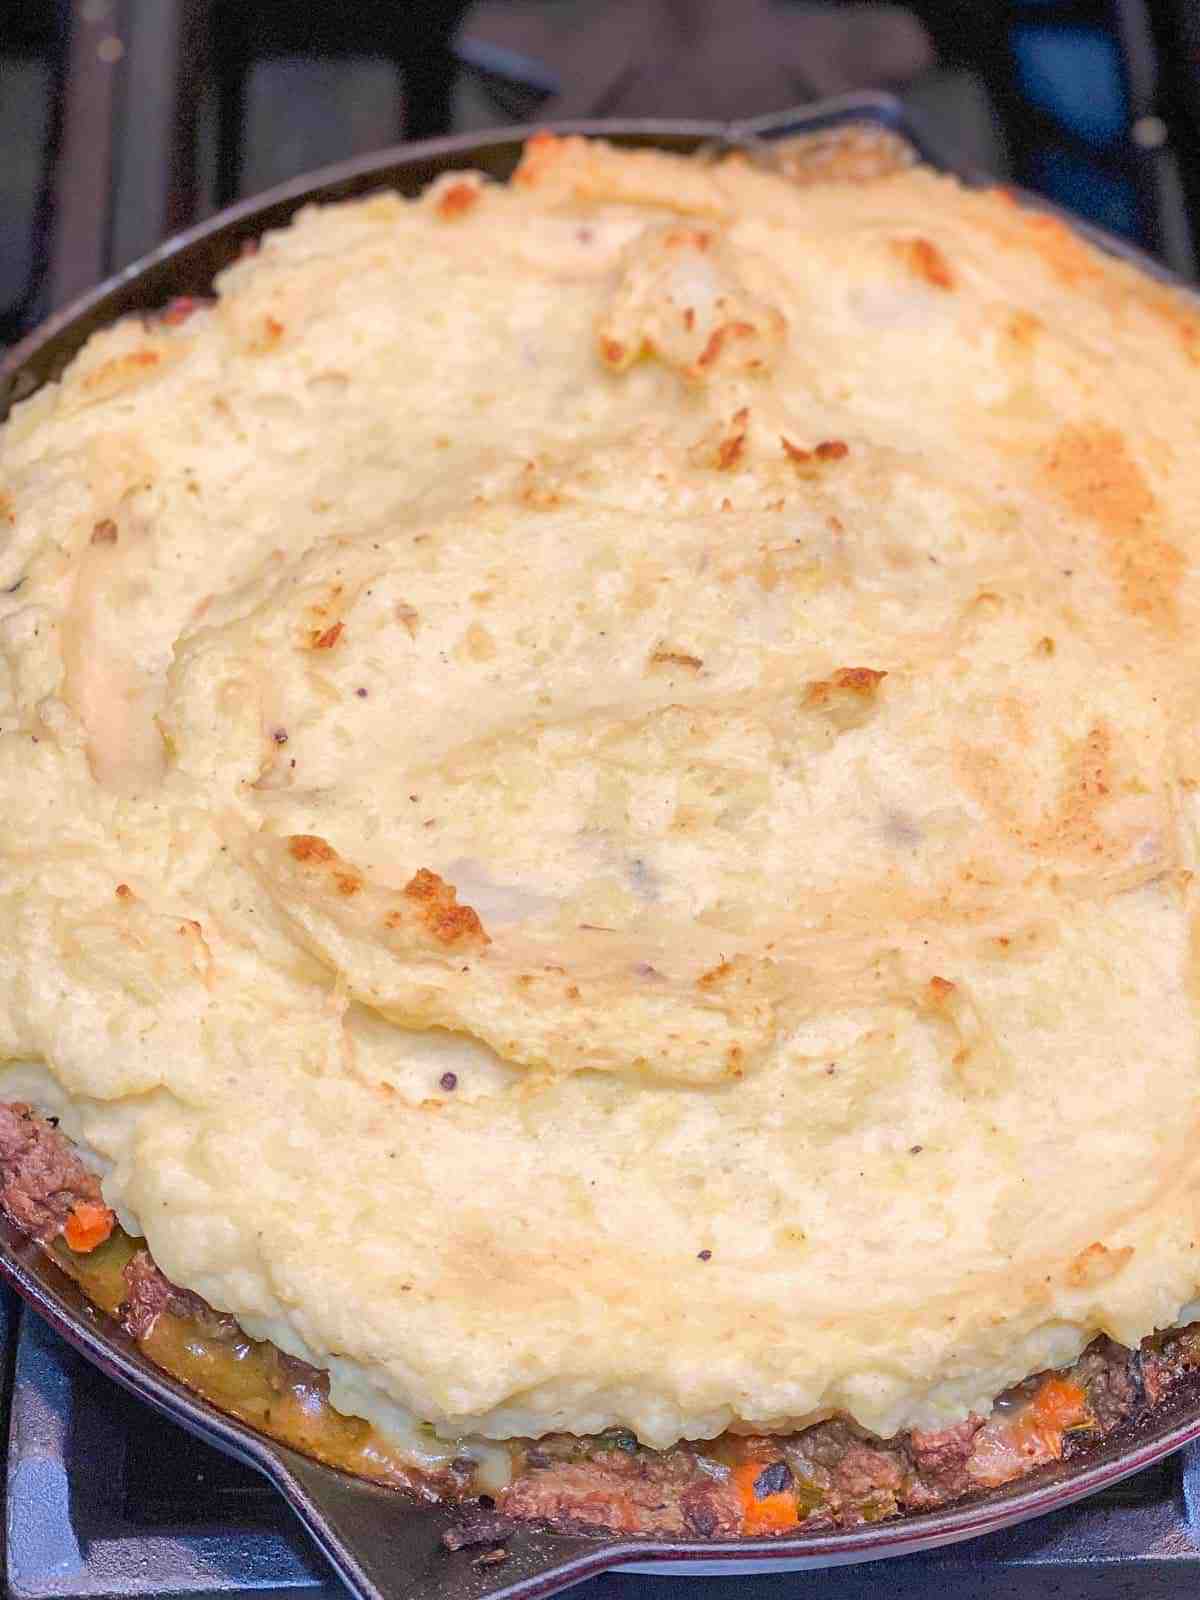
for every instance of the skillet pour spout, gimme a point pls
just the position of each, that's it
(384, 1544)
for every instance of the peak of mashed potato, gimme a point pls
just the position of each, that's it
(703, 666)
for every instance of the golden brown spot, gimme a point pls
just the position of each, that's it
(328, 637)
(862, 681)
(1091, 471)
(348, 883)
(926, 261)
(124, 892)
(533, 494)
(457, 200)
(940, 990)
(573, 991)
(1045, 646)
(480, 645)
(274, 329)
(717, 975)
(1097, 1264)
(712, 349)
(114, 372)
(675, 658)
(1023, 328)
(688, 239)
(6, 507)
(541, 152)
(847, 698)
(445, 919)
(310, 847)
(1061, 248)
(689, 318)
(612, 352)
(806, 460)
(729, 450)
(1073, 828)
(105, 532)
(408, 616)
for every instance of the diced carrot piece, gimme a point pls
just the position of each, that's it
(775, 1513)
(1060, 1404)
(88, 1225)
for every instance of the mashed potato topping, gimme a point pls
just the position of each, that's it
(598, 795)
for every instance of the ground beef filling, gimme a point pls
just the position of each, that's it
(830, 1475)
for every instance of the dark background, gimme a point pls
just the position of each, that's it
(122, 120)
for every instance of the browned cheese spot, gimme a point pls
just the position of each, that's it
(118, 368)
(860, 681)
(923, 258)
(675, 658)
(712, 349)
(1089, 468)
(1097, 1264)
(730, 449)
(457, 200)
(445, 919)
(1023, 329)
(326, 638)
(940, 990)
(1074, 828)
(310, 847)
(541, 152)
(688, 239)
(105, 532)
(809, 462)
(715, 976)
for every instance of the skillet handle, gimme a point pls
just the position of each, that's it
(384, 1547)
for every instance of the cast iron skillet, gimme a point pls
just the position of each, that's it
(383, 1544)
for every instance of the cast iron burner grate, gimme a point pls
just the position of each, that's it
(105, 1499)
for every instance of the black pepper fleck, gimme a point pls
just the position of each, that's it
(704, 1255)
(361, 693)
(915, 1149)
(448, 1081)
(280, 736)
